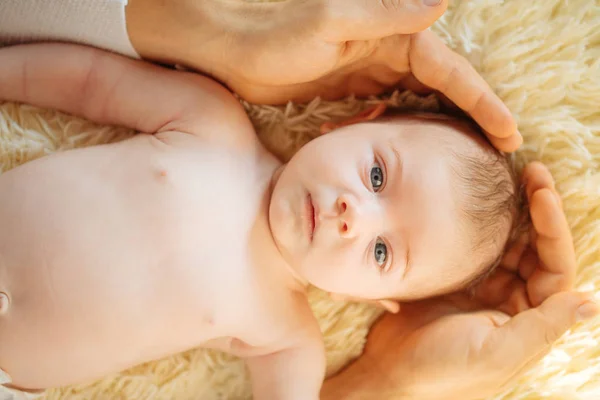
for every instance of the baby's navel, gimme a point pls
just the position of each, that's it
(4, 303)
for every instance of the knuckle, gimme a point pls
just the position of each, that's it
(551, 334)
(352, 51)
(477, 102)
(443, 73)
(391, 5)
(445, 77)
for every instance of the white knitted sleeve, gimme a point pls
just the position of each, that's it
(98, 23)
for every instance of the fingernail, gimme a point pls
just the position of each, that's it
(556, 199)
(587, 310)
(432, 3)
(519, 138)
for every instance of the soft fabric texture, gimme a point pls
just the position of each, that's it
(542, 58)
(99, 23)
(10, 394)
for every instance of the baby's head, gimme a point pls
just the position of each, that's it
(402, 208)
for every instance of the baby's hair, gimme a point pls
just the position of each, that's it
(494, 205)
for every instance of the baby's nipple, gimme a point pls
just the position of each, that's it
(4, 302)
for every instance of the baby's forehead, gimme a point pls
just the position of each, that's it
(430, 120)
(437, 129)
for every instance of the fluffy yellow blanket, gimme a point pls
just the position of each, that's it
(542, 57)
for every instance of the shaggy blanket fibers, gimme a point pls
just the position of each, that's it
(542, 57)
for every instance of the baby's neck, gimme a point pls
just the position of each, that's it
(265, 252)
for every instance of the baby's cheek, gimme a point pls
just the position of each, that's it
(326, 265)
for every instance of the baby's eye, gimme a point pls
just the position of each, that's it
(380, 252)
(376, 176)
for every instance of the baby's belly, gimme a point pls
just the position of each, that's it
(91, 268)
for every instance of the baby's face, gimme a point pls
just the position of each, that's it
(371, 211)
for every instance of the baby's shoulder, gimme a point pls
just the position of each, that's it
(229, 126)
(296, 321)
(280, 319)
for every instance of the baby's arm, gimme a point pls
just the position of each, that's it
(294, 373)
(111, 89)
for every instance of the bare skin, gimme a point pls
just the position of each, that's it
(180, 228)
(296, 50)
(506, 327)
(93, 293)
(198, 214)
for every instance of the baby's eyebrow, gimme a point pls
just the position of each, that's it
(397, 156)
(397, 174)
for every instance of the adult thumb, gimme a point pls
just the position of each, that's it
(375, 19)
(532, 332)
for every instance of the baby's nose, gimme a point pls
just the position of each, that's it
(356, 217)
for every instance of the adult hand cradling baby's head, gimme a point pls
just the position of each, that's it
(470, 346)
(297, 50)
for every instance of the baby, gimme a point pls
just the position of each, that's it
(191, 234)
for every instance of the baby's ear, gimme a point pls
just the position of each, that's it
(389, 305)
(367, 115)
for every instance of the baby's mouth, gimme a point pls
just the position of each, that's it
(310, 214)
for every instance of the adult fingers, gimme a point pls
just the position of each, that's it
(537, 176)
(438, 67)
(512, 258)
(497, 288)
(414, 85)
(555, 250)
(531, 332)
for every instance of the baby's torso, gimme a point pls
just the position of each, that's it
(124, 253)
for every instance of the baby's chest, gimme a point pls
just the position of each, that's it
(210, 184)
(205, 203)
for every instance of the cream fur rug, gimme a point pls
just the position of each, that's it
(542, 57)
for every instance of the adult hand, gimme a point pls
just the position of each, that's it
(448, 348)
(273, 52)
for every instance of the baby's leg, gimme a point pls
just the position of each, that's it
(7, 392)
